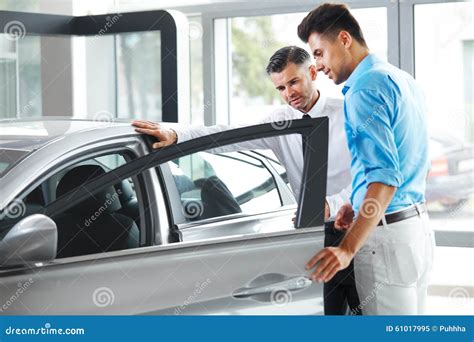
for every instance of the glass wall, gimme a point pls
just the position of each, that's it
(139, 75)
(97, 77)
(20, 76)
(254, 39)
(444, 63)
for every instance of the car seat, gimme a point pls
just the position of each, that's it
(92, 226)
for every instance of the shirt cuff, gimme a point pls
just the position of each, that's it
(388, 177)
(182, 134)
(335, 202)
(332, 207)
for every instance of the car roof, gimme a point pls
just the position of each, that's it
(32, 134)
(42, 141)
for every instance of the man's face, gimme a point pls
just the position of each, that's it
(295, 85)
(331, 55)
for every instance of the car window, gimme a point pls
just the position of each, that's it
(213, 185)
(275, 163)
(106, 221)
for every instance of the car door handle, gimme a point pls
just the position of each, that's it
(290, 284)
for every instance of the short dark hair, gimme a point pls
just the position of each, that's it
(329, 20)
(285, 55)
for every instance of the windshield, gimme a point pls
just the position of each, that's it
(8, 157)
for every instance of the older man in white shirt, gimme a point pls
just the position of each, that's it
(293, 75)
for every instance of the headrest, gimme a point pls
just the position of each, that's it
(106, 200)
(35, 197)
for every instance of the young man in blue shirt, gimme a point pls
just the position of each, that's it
(385, 123)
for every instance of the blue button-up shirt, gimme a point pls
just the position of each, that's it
(386, 128)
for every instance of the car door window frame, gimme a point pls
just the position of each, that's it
(129, 154)
(175, 201)
(313, 188)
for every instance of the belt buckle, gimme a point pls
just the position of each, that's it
(418, 209)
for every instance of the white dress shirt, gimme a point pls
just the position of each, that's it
(288, 148)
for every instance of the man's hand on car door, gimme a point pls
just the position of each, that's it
(165, 136)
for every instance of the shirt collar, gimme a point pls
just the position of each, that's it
(317, 110)
(360, 69)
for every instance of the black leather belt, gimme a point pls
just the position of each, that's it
(416, 210)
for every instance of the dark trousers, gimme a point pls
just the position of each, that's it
(340, 293)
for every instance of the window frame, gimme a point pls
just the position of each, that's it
(314, 131)
(174, 200)
(175, 95)
(129, 153)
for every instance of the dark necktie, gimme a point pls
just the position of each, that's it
(305, 116)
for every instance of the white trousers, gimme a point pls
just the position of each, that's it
(392, 268)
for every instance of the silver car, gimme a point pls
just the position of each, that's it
(93, 221)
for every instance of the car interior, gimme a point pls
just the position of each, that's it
(106, 221)
(208, 193)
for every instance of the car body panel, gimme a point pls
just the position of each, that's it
(157, 280)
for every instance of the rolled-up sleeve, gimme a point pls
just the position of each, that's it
(369, 117)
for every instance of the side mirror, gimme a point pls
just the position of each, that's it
(33, 239)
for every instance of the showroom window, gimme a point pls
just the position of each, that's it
(444, 55)
(196, 70)
(139, 75)
(251, 42)
(20, 77)
(99, 77)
